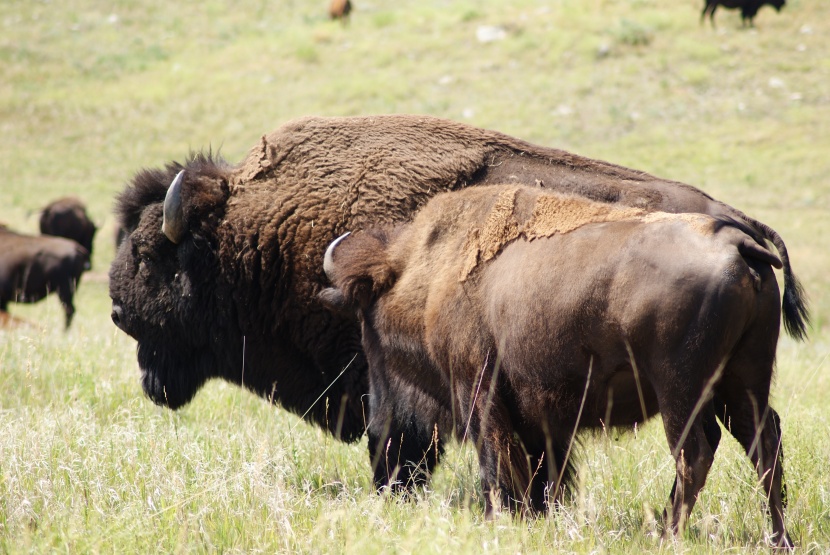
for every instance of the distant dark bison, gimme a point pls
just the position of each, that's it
(32, 267)
(748, 8)
(530, 315)
(67, 217)
(340, 9)
(224, 265)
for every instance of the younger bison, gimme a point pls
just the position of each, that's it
(531, 315)
(32, 267)
(748, 8)
(67, 217)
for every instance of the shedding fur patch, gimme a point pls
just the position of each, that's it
(703, 224)
(551, 214)
(500, 228)
(560, 214)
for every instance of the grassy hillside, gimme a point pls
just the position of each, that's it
(91, 91)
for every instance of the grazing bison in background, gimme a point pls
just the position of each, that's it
(32, 267)
(340, 9)
(530, 315)
(66, 217)
(748, 8)
(221, 264)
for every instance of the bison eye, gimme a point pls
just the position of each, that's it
(145, 257)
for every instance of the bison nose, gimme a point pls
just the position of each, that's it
(116, 315)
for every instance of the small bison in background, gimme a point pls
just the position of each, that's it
(67, 217)
(748, 8)
(340, 9)
(530, 315)
(31, 267)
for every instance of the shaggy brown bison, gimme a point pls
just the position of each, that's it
(749, 8)
(32, 267)
(67, 217)
(235, 273)
(530, 315)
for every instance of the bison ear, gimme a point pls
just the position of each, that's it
(173, 217)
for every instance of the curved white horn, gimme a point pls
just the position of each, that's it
(172, 224)
(328, 260)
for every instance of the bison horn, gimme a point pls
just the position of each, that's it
(172, 224)
(328, 260)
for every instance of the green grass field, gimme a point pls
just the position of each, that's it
(91, 91)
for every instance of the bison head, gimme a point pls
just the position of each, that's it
(165, 282)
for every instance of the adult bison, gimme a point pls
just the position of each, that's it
(233, 274)
(67, 217)
(749, 8)
(530, 315)
(32, 267)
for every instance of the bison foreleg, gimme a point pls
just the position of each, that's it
(404, 444)
(510, 476)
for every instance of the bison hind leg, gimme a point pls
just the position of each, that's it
(757, 427)
(689, 434)
(712, 432)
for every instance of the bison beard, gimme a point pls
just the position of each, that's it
(263, 225)
(528, 316)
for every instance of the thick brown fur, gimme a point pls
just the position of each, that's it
(604, 321)
(243, 283)
(31, 267)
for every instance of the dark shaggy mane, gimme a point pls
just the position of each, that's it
(149, 185)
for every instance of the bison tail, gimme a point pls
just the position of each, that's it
(794, 308)
(794, 305)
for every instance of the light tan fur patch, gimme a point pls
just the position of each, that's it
(499, 229)
(560, 214)
(703, 224)
(552, 213)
